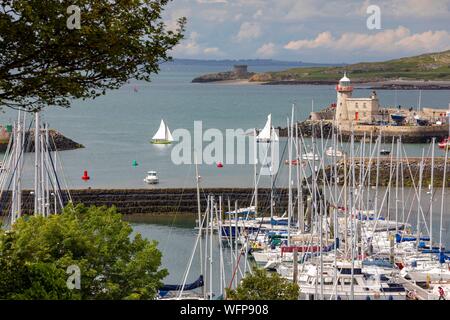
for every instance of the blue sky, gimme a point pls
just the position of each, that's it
(309, 30)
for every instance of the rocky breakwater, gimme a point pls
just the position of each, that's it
(58, 142)
(310, 128)
(409, 171)
(159, 201)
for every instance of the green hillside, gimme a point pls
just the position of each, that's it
(432, 66)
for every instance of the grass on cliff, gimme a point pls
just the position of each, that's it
(433, 66)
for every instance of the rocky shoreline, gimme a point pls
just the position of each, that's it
(58, 142)
(222, 77)
(227, 77)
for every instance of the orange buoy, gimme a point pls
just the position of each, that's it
(219, 165)
(85, 176)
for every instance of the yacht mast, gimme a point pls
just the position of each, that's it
(255, 173)
(289, 181)
(432, 191)
(419, 198)
(197, 182)
(444, 182)
(37, 194)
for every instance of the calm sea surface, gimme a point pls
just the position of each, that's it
(116, 129)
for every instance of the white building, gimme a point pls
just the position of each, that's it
(350, 109)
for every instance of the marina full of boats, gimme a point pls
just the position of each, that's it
(341, 237)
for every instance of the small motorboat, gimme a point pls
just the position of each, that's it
(152, 177)
(331, 152)
(310, 156)
(385, 152)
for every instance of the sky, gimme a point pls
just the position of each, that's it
(323, 31)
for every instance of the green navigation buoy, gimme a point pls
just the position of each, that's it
(135, 164)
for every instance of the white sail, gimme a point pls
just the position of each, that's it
(264, 135)
(168, 134)
(274, 135)
(161, 133)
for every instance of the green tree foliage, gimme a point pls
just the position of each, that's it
(43, 62)
(264, 286)
(36, 252)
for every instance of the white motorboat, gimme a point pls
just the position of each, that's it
(361, 285)
(152, 177)
(331, 152)
(310, 156)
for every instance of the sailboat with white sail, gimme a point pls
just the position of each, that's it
(268, 133)
(163, 135)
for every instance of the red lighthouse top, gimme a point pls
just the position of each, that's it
(341, 88)
(344, 84)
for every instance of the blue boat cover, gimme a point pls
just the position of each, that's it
(189, 286)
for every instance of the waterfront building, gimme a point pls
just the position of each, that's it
(354, 109)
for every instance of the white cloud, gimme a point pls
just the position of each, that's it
(390, 40)
(172, 20)
(212, 51)
(238, 17)
(324, 39)
(191, 47)
(188, 46)
(258, 14)
(248, 31)
(267, 50)
(411, 8)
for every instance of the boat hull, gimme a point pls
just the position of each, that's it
(160, 142)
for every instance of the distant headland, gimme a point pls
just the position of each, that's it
(428, 71)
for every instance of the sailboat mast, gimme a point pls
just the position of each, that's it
(210, 248)
(432, 191)
(419, 198)
(444, 182)
(255, 174)
(289, 181)
(298, 167)
(197, 182)
(271, 183)
(36, 163)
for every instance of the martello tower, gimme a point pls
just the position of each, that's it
(344, 91)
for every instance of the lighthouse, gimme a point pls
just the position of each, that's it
(344, 91)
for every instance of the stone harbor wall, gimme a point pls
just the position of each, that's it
(409, 168)
(160, 201)
(409, 134)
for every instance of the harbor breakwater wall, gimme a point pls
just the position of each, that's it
(408, 171)
(158, 201)
(184, 201)
(409, 134)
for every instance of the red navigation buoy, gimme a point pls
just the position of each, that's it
(219, 165)
(85, 176)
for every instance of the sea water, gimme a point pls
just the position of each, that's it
(117, 128)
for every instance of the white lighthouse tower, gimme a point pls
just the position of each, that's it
(344, 91)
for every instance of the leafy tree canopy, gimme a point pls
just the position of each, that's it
(264, 286)
(36, 253)
(43, 62)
